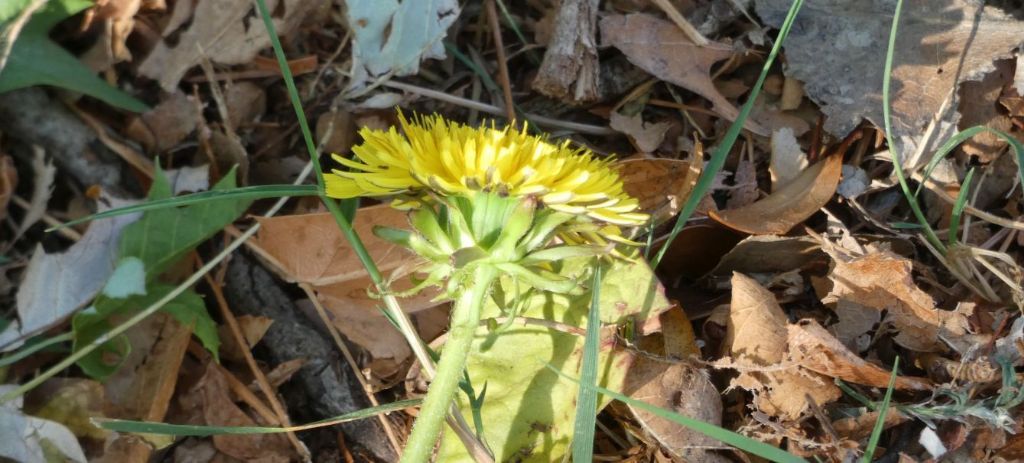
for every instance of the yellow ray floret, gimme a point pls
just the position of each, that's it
(454, 159)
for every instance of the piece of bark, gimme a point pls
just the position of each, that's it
(32, 117)
(569, 71)
(325, 386)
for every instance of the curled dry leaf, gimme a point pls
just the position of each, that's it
(770, 254)
(757, 334)
(661, 185)
(814, 348)
(310, 249)
(790, 205)
(978, 106)
(660, 48)
(883, 280)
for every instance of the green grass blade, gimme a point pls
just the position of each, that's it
(518, 31)
(964, 135)
(34, 347)
(148, 427)
(897, 162)
(726, 436)
(234, 194)
(958, 208)
(717, 160)
(876, 433)
(586, 400)
(293, 92)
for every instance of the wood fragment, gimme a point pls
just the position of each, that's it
(569, 71)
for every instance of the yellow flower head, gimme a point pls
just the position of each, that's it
(451, 159)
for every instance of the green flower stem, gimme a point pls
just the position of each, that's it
(464, 320)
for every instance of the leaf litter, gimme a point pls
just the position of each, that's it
(778, 312)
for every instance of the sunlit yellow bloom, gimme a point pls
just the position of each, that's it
(451, 159)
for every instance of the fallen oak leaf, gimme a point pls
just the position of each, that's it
(309, 249)
(938, 45)
(782, 210)
(813, 347)
(883, 280)
(756, 333)
(660, 48)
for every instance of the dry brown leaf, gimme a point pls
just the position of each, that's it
(118, 17)
(166, 125)
(661, 185)
(770, 254)
(336, 131)
(657, 378)
(814, 348)
(938, 45)
(792, 94)
(647, 136)
(219, 410)
(757, 334)
(770, 116)
(253, 328)
(246, 103)
(310, 249)
(222, 31)
(780, 211)
(883, 280)
(142, 387)
(280, 374)
(682, 389)
(744, 190)
(660, 48)
(855, 321)
(978, 106)
(860, 427)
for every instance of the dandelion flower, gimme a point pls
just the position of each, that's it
(435, 156)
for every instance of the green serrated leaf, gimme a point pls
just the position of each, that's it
(163, 236)
(95, 321)
(190, 310)
(89, 325)
(529, 412)
(37, 60)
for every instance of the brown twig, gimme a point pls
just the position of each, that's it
(261, 379)
(499, 46)
(681, 22)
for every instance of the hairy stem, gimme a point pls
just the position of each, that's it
(464, 320)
